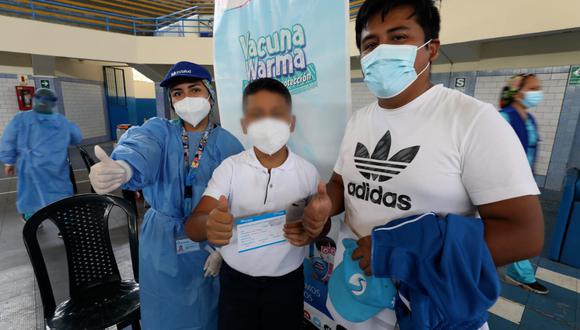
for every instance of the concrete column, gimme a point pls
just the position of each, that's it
(43, 65)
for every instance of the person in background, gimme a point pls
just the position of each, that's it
(521, 93)
(35, 144)
(262, 287)
(172, 162)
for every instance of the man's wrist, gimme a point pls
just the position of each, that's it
(325, 230)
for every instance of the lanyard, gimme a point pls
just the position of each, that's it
(200, 147)
(196, 157)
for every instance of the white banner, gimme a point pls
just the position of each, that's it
(302, 43)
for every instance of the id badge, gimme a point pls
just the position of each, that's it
(185, 245)
(261, 230)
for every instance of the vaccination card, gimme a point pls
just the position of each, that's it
(261, 230)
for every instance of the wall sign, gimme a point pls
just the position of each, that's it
(575, 76)
(460, 82)
(44, 83)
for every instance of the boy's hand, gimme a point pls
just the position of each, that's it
(317, 212)
(296, 235)
(363, 252)
(220, 223)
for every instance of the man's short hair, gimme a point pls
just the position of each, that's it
(424, 11)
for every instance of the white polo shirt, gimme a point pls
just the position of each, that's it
(252, 190)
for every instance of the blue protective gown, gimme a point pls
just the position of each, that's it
(38, 145)
(174, 292)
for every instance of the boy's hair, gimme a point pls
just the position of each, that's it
(424, 11)
(267, 84)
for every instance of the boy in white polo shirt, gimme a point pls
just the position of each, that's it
(253, 207)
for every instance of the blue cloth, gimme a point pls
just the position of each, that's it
(174, 292)
(522, 271)
(38, 145)
(355, 296)
(447, 276)
(527, 131)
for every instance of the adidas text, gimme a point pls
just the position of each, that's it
(376, 196)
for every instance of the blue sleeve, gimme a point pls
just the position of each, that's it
(75, 134)
(229, 145)
(399, 247)
(8, 150)
(389, 259)
(142, 148)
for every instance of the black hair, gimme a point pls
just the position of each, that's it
(424, 11)
(267, 84)
(325, 241)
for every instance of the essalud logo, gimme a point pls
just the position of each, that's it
(379, 167)
(280, 55)
(359, 283)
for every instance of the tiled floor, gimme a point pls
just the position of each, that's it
(560, 309)
(21, 308)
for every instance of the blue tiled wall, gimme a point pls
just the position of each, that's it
(566, 148)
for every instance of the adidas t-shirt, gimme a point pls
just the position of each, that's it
(444, 152)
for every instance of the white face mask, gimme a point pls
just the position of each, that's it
(192, 109)
(269, 135)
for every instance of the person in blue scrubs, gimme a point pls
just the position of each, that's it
(522, 92)
(172, 162)
(35, 143)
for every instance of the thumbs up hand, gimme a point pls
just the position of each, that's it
(317, 212)
(220, 223)
(108, 174)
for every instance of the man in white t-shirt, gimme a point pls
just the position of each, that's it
(422, 148)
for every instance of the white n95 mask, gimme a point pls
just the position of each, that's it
(192, 109)
(269, 135)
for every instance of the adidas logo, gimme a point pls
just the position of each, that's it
(379, 165)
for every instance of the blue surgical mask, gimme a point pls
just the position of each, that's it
(532, 98)
(390, 69)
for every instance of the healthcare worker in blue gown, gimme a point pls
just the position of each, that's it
(35, 144)
(521, 93)
(172, 162)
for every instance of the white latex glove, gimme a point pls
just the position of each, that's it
(213, 264)
(108, 174)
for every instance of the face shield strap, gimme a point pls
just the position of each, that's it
(210, 90)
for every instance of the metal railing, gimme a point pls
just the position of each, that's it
(180, 23)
